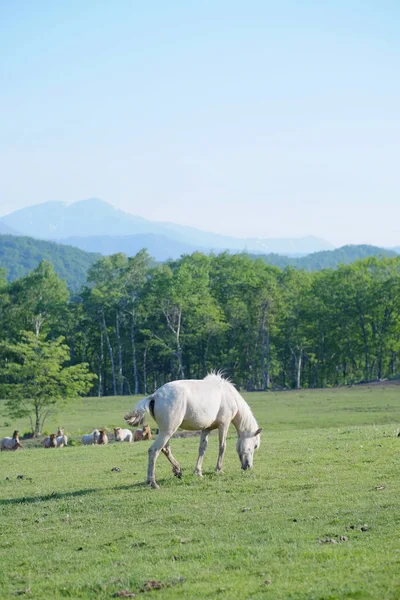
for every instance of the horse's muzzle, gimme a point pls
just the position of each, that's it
(245, 466)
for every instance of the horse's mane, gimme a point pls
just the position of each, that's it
(246, 419)
(218, 376)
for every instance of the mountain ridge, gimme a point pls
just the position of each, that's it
(94, 217)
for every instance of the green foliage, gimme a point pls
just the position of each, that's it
(138, 325)
(326, 259)
(19, 255)
(34, 380)
(38, 300)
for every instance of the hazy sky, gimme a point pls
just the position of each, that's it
(253, 118)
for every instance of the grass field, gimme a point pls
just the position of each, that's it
(328, 467)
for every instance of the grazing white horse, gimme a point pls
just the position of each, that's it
(206, 404)
(91, 438)
(122, 435)
(61, 439)
(11, 443)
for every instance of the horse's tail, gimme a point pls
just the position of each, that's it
(137, 414)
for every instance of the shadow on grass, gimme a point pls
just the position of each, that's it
(45, 497)
(60, 495)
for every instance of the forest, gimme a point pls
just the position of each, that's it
(138, 325)
(21, 254)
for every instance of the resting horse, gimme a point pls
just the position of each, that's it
(206, 404)
(50, 441)
(122, 435)
(13, 443)
(61, 438)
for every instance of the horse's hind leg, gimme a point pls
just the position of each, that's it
(176, 469)
(198, 470)
(154, 450)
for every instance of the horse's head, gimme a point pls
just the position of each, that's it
(146, 432)
(245, 446)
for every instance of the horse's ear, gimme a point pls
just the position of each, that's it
(259, 430)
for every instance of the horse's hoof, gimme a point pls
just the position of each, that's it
(198, 473)
(219, 471)
(152, 484)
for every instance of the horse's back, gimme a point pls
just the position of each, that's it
(193, 404)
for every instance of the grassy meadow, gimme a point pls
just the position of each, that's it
(317, 518)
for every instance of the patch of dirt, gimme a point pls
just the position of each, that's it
(330, 540)
(26, 591)
(151, 584)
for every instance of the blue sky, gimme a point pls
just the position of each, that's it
(252, 118)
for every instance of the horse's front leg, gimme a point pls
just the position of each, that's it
(154, 450)
(222, 432)
(198, 470)
(176, 469)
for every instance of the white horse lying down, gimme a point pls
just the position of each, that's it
(122, 435)
(9, 443)
(91, 438)
(206, 404)
(61, 439)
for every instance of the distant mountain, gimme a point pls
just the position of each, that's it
(328, 259)
(94, 217)
(7, 230)
(19, 255)
(159, 247)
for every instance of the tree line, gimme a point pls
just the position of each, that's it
(137, 325)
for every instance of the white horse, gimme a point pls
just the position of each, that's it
(9, 443)
(91, 438)
(122, 435)
(61, 439)
(206, 404)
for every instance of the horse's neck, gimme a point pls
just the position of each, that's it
(244, 420)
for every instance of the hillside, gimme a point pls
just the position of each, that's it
(94, 217)
(19, 255)
(328, 259)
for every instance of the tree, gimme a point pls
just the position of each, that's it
(135, 278)
(34, 380)
(38, 300)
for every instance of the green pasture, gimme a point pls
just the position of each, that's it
(317, 518)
